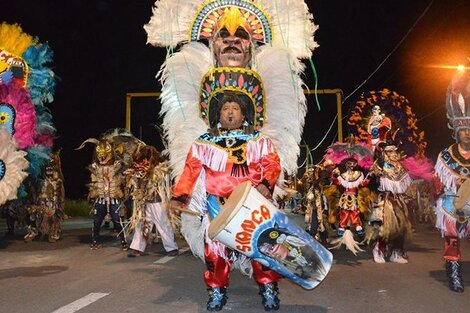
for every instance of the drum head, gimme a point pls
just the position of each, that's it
(229, 209)
(463, 195)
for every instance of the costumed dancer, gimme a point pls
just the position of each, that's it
(106, 192)
(47, 215)
(111, 157)
(391, 218)
(314, 203)
(352, 160)
(453, 170)
(149, 185)
(26, 85)
(228, 155)
(249, 41)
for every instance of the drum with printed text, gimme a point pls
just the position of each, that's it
(250, 224)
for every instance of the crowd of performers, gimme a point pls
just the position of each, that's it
(374, 188)
(227, 92)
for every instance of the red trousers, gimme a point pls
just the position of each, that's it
(349, 215)
(218, 271)
(451, 248)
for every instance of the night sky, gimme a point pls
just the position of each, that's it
(100, 54)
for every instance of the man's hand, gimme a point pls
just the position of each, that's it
(264, 191)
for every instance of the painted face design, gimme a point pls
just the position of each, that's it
(12, 68)
(232, 50)
(7, 118)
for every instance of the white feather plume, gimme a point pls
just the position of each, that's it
(181, 75)
(170, 22)
(285, 102)
(15, 166)
(292, 24)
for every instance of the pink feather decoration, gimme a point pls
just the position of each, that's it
(338, 155)
(25, 120)
(419, 167)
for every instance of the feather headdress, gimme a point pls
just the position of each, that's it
(17, 114)
(12, 167)
(280, 23)
(26, 84)
(458, 102)
(397, 110)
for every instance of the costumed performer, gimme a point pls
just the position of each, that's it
(392, 217)
(230, 153)
(248, 41)
(149, 185)
(47, 215)
(453, 170)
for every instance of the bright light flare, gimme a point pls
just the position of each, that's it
(461, 68)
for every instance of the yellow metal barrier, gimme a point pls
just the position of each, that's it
(338, 92)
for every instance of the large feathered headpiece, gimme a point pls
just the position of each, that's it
(285, 23)
(376, 113)
(458, 102)
(26, 84)
(281, 32)
(12, 167)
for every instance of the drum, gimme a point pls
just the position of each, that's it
(250, 224)
(462, 198)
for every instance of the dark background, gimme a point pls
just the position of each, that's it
(101, 54)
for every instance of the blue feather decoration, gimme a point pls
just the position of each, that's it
(41, 79)
(38, 157)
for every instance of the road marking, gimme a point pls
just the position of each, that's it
(81, 303)
(169, 258)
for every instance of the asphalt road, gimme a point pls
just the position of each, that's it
(64, 277)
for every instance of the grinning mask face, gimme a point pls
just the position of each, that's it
(232, 50)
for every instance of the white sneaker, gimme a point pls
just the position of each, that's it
(378, 254)
(397, 257)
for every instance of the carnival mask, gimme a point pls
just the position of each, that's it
(232, 49)
(104, 152)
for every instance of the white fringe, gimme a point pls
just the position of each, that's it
(447, 177)
(258, 149)
(351, 184)
(395, 186)
(211, 156)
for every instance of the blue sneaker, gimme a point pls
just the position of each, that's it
(217, 299)
(340, 232)
(269, 294)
